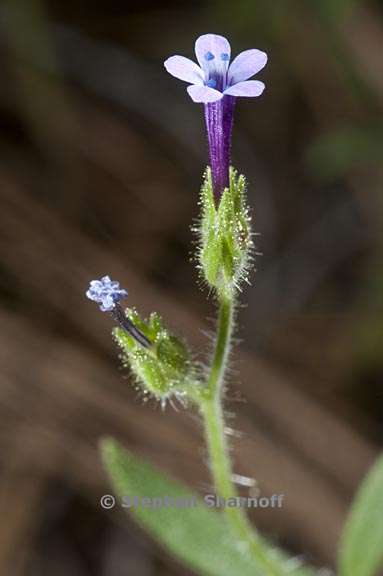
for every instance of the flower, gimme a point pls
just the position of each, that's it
(216, 83)
(106, 292)
(215, 77)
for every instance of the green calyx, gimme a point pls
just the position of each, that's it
(225, 235)
(164, 368)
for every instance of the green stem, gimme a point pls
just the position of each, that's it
(222, 347)
(212, 412)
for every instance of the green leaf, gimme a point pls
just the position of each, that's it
(199, 536)
(361, 546)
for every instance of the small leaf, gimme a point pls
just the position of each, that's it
(198, 535)
(361, 547)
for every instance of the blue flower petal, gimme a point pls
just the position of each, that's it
(250, 88)
(204, 94)
(211, 44)
(184, 69)
(245, 65)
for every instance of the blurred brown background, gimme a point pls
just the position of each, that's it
(101, 155)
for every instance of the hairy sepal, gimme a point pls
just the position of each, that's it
(162, 370)
(225, 238)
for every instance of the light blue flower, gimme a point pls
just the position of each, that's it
(215, 77)
(106, 292)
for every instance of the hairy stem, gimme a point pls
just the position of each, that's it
(222, 348)
(211, 406)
